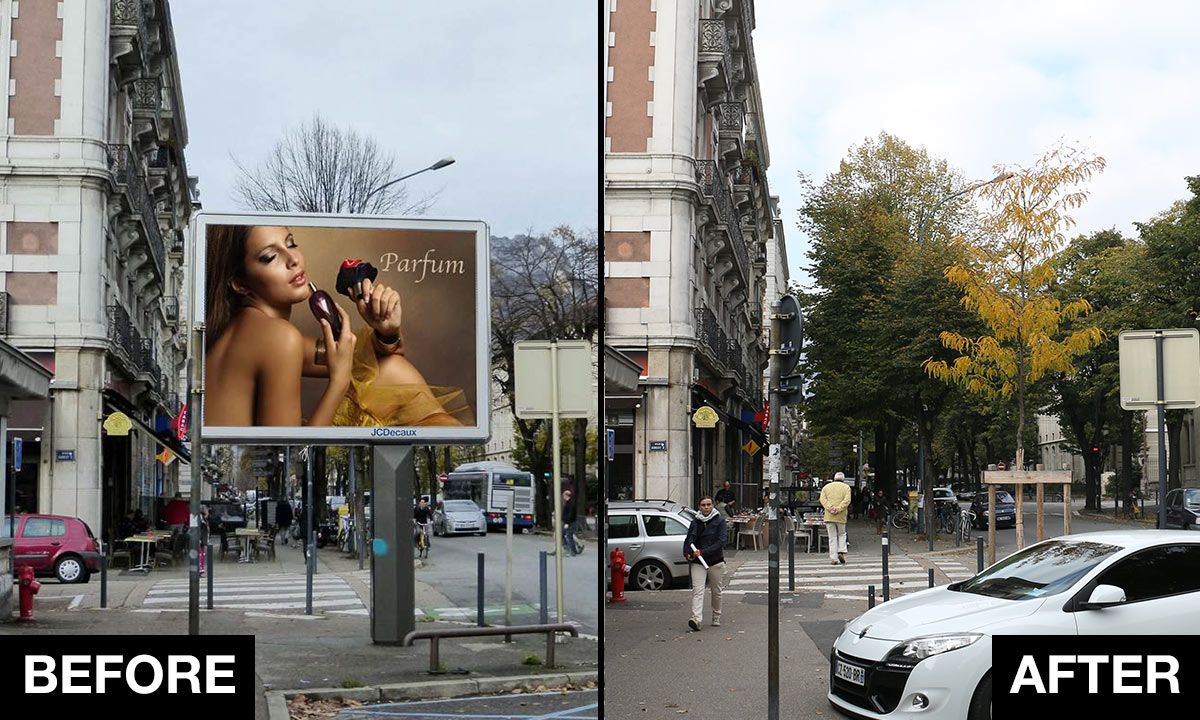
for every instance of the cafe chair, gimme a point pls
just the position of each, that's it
(119, 548)
(752, 531)
(266, 544)
(230, 543)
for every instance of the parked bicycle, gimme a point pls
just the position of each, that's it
(901, 520)
(966, 519)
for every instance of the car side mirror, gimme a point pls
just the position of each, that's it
(1103, 596)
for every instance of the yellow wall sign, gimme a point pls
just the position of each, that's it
(705, 417)
(751, 447)
(118, 424)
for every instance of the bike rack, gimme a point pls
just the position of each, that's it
(436, 634)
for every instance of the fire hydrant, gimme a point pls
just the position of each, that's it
(29, 588)
(620, 571)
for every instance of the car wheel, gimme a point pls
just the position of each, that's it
(650, 575)
(70, 569)
(981, 701)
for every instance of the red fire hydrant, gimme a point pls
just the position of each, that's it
(29, 588)
(619, 572)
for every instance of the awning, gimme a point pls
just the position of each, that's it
(622, 402)
(114, 401)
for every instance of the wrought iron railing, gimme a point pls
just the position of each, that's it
(121, 165)
(153, 232)
(147, 99)
(730, 117)
(130, 15)
(126, 340)
(714, 40)
(712, 186)
(171, 308)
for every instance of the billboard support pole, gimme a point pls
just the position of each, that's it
(393, 477)
(558, 519)
(310, 533)
(197, 473)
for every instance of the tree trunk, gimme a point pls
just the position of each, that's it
(581, 493)
(1174, 461)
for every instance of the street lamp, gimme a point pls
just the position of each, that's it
(436, 166)
(928, 216)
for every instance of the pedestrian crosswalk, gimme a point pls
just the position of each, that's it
(282, 592)
(846, 582)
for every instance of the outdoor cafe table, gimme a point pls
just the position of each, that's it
(146, 540)
(735, 524)
(251, 537)
(813, 527)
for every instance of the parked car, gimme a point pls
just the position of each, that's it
(963, 493)
(459, 516)
(1006, 510)
(224, 516)
(1183, 509)
(933, 649)
(56, 545)
(944, 496)
(650, 533)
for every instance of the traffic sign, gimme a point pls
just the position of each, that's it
(16, 454)
(1001, 466)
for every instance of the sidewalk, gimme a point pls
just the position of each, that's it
(299, 654)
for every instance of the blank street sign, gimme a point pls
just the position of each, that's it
(576, 384)
(1139, 371)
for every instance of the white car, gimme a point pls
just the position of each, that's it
(459, 516)
(930, 653)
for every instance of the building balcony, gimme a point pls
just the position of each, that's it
(129, 47)
(172, 125)
(714, 59)
(731, 130)
(132, 214)
(125, 342)
(720, 225)
(146, 97)
(713, 341)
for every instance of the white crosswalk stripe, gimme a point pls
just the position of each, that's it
(279, 592)
(844, 582)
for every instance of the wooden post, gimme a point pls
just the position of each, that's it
(1020, 490)
(1067, 509)
(1040, 518)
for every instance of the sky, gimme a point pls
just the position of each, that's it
(982, 84)
(508, 89)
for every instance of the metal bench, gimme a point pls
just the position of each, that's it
(437, 634)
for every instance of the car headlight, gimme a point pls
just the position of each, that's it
(911, 652)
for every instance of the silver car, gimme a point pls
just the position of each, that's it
(650, 533)
(459, 516)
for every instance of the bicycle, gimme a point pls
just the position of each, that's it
(422, 540)
(966, 519)
(944, 521)
(1133, 512)
(901, 520)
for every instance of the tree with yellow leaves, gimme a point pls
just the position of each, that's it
(1008, 283)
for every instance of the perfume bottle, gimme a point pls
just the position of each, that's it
(321, 304)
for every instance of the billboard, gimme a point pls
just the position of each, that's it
(412, 362)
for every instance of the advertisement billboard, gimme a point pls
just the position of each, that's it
(412, 362)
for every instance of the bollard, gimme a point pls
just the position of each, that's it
(887, 536)
(930, 577)
(544, 611)
(211, 570)
(979, 544)
(479, 592)
(791, 562)
(958, 530)
(870, 596)
(105, 558)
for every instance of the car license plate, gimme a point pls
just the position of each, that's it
(851, 673)
(1003, 517)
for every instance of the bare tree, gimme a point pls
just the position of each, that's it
(543, 288)
(319, 167)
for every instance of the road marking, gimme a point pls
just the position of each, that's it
(75, 603)
(286, 617)
(219, 598)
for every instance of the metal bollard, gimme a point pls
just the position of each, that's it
(958, 530)
(544, 596)
(210, 570)
(791, 562)
(870, 596)
(979, 545)
(930, 577)
(479, 591)
(105, 557)
(887, 537)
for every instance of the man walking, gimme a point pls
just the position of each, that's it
(835, 496)
(704, 547)
(283, 518)
(569, 518)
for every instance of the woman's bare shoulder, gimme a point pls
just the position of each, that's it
(267, 337)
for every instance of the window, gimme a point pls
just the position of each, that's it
(662, 526)
(1175, 499)
(44, 527)
(622, 526)
(1157, 572)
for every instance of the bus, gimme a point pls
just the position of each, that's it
(489, 484)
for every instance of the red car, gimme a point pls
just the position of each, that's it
(55, 544)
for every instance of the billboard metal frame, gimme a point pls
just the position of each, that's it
(330, 435)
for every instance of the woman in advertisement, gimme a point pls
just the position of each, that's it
(255, 357)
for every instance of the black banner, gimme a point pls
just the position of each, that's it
(1108, 675)
(128, 674)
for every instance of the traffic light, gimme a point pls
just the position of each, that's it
(790, 343)
(1096, 448)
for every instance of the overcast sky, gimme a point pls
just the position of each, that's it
(981, 84)
(506, 88)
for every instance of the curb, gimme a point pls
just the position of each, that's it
(277, 699)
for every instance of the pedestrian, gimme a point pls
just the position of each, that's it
(704, 548)
(569, 518)
(302, 523)
(880, 512)
(725, 500)
(283, 518)
(835, 497)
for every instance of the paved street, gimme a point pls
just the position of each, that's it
(664, 669)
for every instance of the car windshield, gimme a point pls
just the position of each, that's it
(1002, 498)
(1191, 498)
(461, 506)
(1039, 571)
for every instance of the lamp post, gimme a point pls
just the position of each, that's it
(436, 166)
(927, 489)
